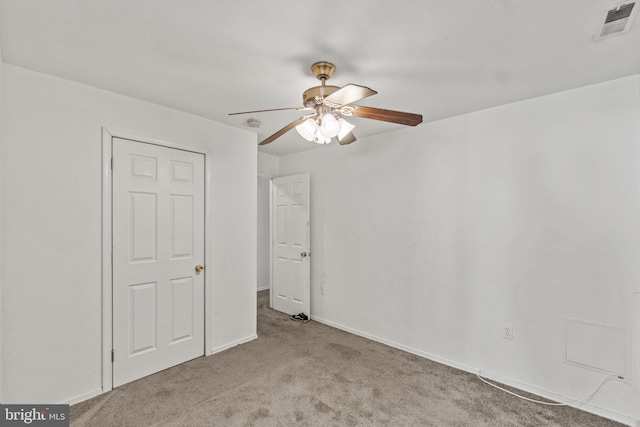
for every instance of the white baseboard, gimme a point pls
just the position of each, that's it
(232, 344)
(82, 397)
(263, 288)
(474, 370)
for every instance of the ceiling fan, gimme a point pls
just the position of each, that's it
(329, 105)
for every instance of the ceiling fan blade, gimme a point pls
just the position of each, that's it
(400, 117)
(284, 130)
(348, 139)
(273, 109)
(348, 94)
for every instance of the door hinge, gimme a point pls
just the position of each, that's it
(112, 163)
(113, 356)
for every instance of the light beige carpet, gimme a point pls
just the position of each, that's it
(309, 374)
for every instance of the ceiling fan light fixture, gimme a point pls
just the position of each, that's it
(330, 102)
(345, 128)
(319, 138)
(329, 126)
(308, 129)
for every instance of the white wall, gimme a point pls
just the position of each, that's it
(268, 165)
(264, 241)
(51, 224)
(433, 238)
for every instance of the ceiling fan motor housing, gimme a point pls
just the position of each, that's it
(313, 96)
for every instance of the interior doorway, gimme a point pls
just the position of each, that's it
(264, 240)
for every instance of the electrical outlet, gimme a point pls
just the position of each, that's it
(322, 290)
(507, 332)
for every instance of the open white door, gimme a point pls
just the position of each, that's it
(158, 253)
(290, 263)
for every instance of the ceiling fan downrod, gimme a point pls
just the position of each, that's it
(314, 96)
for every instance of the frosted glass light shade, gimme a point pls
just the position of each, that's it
(330, 126)
(307, 129)
(345, 128)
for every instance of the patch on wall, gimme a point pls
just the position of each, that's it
(598, 347)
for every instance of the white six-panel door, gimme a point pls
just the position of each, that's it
(158, 240)
(290, 246)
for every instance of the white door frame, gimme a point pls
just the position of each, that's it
(107, 254)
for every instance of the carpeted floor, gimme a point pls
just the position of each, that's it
(309, 374)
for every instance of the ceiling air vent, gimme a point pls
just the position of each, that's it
(615, 21)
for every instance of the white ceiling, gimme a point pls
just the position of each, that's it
(211, 58)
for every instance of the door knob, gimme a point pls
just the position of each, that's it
(303, 254)
(199, 268)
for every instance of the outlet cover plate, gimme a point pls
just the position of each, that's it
(507, 332)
